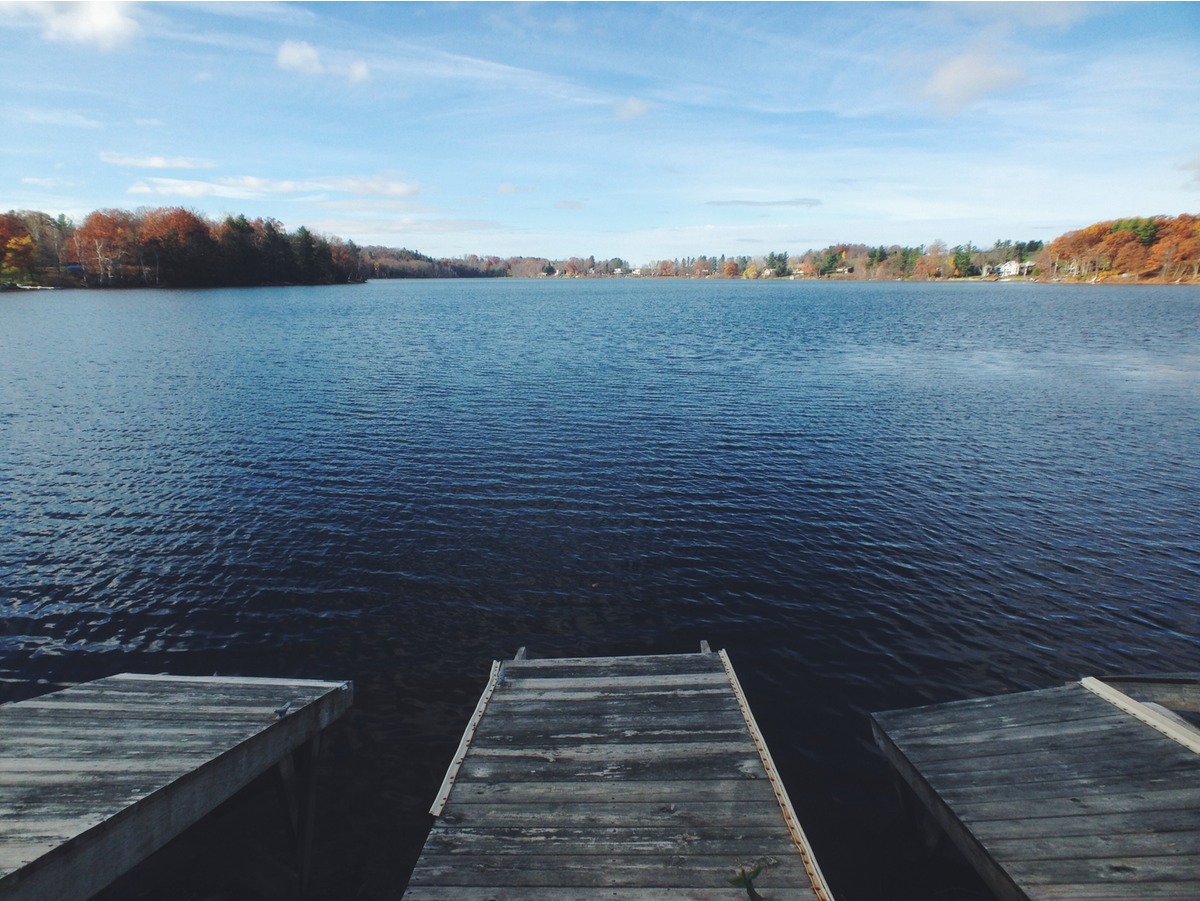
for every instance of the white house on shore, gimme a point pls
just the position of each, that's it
(1009, 268)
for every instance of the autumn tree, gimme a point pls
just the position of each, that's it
(178, 247)
(16, 260)
(107, 242)
(16, 247)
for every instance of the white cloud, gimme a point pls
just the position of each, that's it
(156, 162)
(301, 56)
(795, 201)
(510, 188)
(960, 81)
(379, 186)
(632, 108)
(569, 205)
(251, 186)
(106, 25)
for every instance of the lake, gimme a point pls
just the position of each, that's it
(872, 495)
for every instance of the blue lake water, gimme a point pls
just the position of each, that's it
(874, 496)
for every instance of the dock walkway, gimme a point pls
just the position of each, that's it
(616, 777)
(1081, 791)
(95, 778)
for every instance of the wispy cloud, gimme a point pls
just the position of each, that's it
(49, 116)
(960, 81)
(365, 206)
(403, 227)
(1193, 167)
(632, 108)
(156, 162)
(250, 186)
(510, 188)
(569, 205)
(51, 182)
(301, 56)
(105, 25)
(793, 202)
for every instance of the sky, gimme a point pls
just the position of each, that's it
(636, 130)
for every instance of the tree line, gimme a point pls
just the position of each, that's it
(175, 247)
(169, 247)
(859, 261)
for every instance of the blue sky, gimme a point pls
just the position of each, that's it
(644, 131)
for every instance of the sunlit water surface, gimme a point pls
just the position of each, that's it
(874, 496)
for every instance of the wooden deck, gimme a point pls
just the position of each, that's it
(95, 778)
(1077, 792)
(616, 777)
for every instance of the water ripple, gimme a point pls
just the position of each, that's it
(874, 496)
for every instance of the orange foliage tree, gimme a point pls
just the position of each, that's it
(105, 243)
(1160, 247)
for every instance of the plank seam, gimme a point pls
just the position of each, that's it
(1140, 711)
(439, 802)
(815, 877)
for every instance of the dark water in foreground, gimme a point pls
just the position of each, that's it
(873, 496)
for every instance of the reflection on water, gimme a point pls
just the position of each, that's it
(873, 496)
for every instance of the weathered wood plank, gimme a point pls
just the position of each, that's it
(503, 731)
(637, 684)
(1132, 871)
(632, 813)
(1081, 805)
(740, 791)
(667, 697)
(1065, 701)
(1076, 786)
(561, 870)
(737, 841)
(637, 776)
(1009, 739)
(1061, 756)
(1035, 828)
(1143, 891)
(79, 813)
(1098, 769)
(657, 663)
(1097, 845)
(659, 768)
(673, 892)
(1052, 796)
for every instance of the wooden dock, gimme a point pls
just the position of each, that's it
(96, 777)
(1087, 791)
(618, 777)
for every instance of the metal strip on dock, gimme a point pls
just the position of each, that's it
(1076, 792)
(96, 777)
(614, 777)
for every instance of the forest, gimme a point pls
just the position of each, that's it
(169, 247)
(176, 247)
(1158, 248)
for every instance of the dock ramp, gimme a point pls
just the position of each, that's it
(614, 777)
